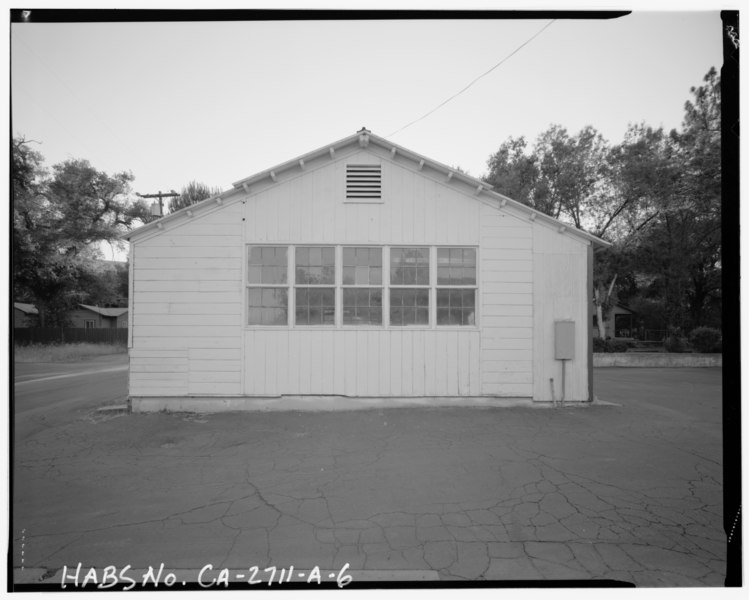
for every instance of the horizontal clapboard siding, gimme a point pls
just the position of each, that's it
(560, 289)
(190, 285)
(175, 308)
(205, 274)
(187, 307)
(212, 319)
(506, 305)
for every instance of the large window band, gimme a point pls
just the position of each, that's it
(361, 286)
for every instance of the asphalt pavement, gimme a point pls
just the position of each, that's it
(628, 491)
(49, 395)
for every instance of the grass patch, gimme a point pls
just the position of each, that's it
(64, 352)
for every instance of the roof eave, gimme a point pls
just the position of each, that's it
(177, 215)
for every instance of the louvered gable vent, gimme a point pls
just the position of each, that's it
(363, 182)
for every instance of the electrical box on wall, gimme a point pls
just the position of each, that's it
(564, 340)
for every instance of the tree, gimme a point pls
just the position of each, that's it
(562, 176)
(681, 245)
(512, 172)
(566, 177)
(656, 196)
(192, 193)
(58, 219)
(105, 283)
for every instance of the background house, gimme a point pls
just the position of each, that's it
(25, 315)
(621, 323)
(361, 269)
(87, 317)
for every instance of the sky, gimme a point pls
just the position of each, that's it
(216, 102)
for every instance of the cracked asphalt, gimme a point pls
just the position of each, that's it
(628, 491)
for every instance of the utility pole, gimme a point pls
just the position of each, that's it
(160, 195)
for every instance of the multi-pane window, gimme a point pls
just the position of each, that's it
(456, 286)
(456, 307)
(267, 292)
(409, 305)
(267, 306)
(409, 266)
(315, 285)
(375, 286)
(362, 271)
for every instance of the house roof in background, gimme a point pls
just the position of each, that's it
(27, 308)
(106, 312)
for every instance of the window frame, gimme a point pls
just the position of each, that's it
(428, 286)
(475, 287)
(335, 285)
(382, 287)
(249, 285)
(338, 285)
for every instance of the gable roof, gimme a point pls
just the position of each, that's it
(29, 309)
(106, 312)
(362, 138)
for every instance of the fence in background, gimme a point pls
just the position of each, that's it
(23, 336)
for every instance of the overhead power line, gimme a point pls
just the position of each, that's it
(528, 41)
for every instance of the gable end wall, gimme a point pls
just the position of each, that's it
(187, 307)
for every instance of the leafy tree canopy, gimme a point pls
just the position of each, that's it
(58, 218)
(656, 196)
(190, 194)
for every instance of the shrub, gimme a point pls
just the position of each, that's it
(675, 343)
(617, 346)
(706, 339)
(609, 345)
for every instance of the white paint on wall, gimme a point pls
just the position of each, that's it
(189, 336)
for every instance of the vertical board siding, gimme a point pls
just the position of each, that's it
(363, 363)
(309, 207)
(186, 308)
(366, 362)
(506, 305)
(560, 293)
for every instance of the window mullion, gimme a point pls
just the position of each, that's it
(432, 287)
(291, 282)
(338, 296)
(386, 286)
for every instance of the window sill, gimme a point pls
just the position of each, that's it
(361, 328)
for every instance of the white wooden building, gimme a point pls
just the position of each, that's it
(361, 270)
